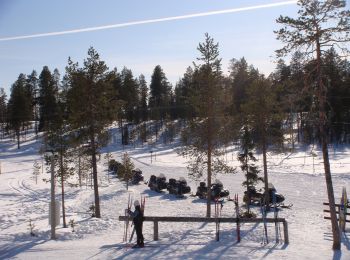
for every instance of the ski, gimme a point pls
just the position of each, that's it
(216, 219)
(237, 218)
(277, 227)
(220, 206)
(343, 210)
(125, 239)
(135, 246)
(263, 213)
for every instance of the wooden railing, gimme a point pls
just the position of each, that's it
(336, 211)
(156, 220)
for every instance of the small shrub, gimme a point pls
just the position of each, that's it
(92, 210)
(72, 224)
(31, 227)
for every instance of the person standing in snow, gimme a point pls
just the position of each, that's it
(137, 220)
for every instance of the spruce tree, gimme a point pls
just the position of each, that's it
(160, 90)
(247, 159)
(182, 94)
(126, 171)
(19, 106)
(32, 90)
(129, 93)
(143, 103)
(263, 115)
(3, 111)
(47, 99)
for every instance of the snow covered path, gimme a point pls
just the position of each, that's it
(296, 176)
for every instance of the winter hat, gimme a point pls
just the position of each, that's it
(136, 203)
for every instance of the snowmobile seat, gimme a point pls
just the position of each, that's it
(202, 184)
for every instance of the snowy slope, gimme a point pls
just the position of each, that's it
(298, 176)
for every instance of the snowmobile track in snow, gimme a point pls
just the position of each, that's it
(24, 190)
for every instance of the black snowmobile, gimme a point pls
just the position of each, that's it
(157, 183)
(136, 176)
(257, 197)
(178, 187)
(217, 190)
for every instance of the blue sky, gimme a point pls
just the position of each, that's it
(171, 44)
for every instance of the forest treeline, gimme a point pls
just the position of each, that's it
(121, 96)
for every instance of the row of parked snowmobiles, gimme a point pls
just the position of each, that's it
(180, 187)
(255, 197)
(217, 190)
(176, 187)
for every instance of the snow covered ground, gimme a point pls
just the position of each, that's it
(296, 175)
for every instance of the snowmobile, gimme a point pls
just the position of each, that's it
(217, 190)
(256, 197)
(178, 187)
(136, 176)
(157, 183)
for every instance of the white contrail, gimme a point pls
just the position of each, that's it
(172, 18)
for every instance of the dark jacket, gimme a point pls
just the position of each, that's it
(137, 216)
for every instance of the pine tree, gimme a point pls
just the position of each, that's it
(203, 139)
(92, 102)
(319, 26)
(58, 139)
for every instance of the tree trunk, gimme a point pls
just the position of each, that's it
(79, 169)
(209, 183)
(327, 169)
(94, 174)
(18, 134)
(266, 180)
(62, 190)
(210, 148)
(299, 126)
(248, 193)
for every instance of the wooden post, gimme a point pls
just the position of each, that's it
(285, 231)
(155, 231)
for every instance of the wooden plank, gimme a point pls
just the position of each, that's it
(337, 219)
(336, 204)
(327, 210)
